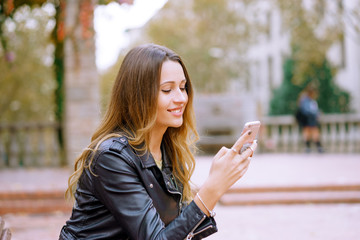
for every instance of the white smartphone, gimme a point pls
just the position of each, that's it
(254, 127)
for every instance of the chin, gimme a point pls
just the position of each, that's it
(177, 124)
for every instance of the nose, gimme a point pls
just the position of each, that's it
(180, 96)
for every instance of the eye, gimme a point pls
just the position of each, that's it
(183, 88)
(166, 90)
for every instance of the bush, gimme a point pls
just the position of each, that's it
(331, 98)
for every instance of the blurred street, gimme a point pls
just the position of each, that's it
(326, 185)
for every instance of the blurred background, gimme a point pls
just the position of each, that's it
(248, 59)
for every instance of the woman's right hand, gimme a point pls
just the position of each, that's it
(228, 166)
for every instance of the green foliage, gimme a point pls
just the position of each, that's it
(309, 45)
(331, 99)
(284, 99)
(27, 79)
(308, 64)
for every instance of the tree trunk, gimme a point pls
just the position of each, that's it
(82, 97)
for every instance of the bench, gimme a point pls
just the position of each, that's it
(5, 233)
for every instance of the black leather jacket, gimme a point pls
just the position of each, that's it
(129, 197)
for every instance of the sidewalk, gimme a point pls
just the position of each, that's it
(277, 170)
(293, 178)
(250, 222)
(266, 170)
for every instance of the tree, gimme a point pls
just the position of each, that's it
(284, 99)
(311, 38)
(75, 63)
(315, 26)
(211, 36)
(27, 81)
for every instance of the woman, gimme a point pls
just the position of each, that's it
(132, 182)
(309, 122)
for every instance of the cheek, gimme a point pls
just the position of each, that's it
(162, 103)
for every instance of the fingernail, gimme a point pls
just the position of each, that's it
(249, 132)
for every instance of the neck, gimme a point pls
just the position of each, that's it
(156, 137)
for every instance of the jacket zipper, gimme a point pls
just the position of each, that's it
(180, 202)
(191, 234)
(202, 230)
(181, 195)
(174, 192)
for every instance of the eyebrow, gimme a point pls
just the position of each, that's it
(166, 82)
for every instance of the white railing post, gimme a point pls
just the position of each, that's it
(28, 155)
(338, 133)
(342, 137)
(296, 138)
(29, 145)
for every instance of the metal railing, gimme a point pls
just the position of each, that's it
(37, 144)
(30, 145)
(339, 133)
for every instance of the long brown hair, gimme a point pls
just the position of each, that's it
(132, 112)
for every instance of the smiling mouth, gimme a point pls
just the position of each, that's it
(175, 110)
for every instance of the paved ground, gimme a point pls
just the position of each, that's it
(293, 170)
(265, 170)
(274, 222)
(306, 221)
(289, 222)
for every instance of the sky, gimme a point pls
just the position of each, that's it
(110, 23)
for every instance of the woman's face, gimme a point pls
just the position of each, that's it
(172, 97)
